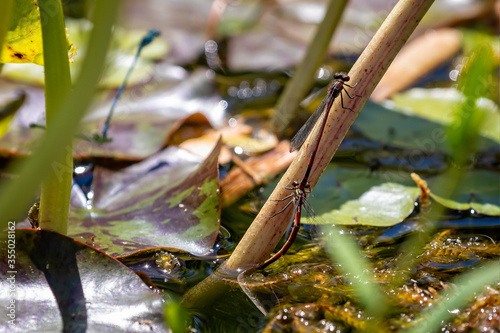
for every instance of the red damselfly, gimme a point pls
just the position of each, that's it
(302, 189)
(334, 90)
(299, 197)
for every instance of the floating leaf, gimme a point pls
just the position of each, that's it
(424, 103)
(381, 206)
(356, 196)
(64, 285)
(133, 136)
(478, 190)
(140, 126)
(169, 200)
(23, 43)
(395, 128)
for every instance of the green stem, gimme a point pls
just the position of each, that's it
(205, 293)
(15, 194)
(56, 187)
(301, 82)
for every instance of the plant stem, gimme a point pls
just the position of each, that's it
(56, 187)
(264, 233)
(300, 84)
(52, 148)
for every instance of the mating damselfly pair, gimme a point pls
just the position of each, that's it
(302, 189)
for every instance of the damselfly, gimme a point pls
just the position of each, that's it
(334, 90)
(302, 189)
(146, 40)
(299, 197)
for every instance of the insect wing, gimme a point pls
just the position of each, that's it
(300, 137)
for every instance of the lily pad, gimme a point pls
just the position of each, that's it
(57, 284)
(424, 103)
(395, 128)
(478, 190)
(169, 200)
(133, 136)
(381, 206)
(360, 197)
(140, 126)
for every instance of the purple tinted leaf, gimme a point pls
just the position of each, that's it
(167, 201)
(143, 122)
(62, 284)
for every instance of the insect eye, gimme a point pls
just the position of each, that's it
(337, 76)
(345, 78)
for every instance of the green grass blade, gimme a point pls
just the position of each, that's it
(462, 136)
(467, 285)
(346, 253)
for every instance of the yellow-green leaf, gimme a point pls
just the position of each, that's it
(23, 42)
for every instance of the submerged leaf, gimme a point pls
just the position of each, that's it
(169, 200)
(78, 288)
